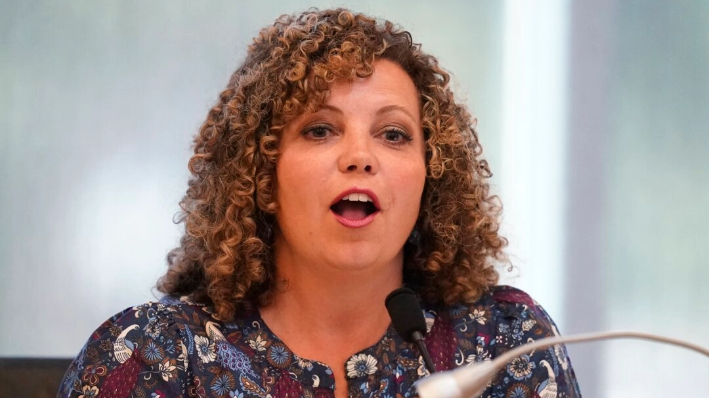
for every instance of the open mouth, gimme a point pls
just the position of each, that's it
(354, 207)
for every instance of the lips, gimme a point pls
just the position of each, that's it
(353, 210)
(355, 207)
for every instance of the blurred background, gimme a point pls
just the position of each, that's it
(594, 116)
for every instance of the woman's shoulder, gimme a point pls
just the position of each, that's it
(501, 319)
(513, 303)
(154, 318)
(147, 339)
(498, 303)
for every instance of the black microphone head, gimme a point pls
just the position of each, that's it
(405, 313)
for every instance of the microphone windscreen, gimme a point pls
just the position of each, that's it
(405, 313)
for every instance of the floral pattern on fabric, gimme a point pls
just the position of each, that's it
(176, 348)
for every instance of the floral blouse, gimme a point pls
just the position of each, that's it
(177, 348)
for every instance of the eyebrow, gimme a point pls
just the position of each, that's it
(331, 108)
(392, 108)
(381, 111)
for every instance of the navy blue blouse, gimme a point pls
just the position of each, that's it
(177, 348)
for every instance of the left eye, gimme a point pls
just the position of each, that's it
(396, 136)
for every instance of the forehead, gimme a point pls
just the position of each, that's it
(388, 85)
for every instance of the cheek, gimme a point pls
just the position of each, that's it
(409, 187)
(297, 184)
(287, 179)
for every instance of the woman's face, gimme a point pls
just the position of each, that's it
(350, 176)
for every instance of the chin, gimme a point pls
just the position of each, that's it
(361, 256)
(352, 259)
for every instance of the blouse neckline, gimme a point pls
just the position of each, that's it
(360, 367)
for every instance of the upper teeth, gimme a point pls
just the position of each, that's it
(358, 197)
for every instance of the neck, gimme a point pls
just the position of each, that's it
(345, 306)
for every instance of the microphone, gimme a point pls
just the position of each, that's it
(471, 381)
(407, 317)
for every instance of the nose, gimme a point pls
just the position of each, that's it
(358, 155)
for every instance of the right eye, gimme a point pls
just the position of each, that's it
(317, 132)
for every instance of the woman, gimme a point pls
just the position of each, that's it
(335, 168)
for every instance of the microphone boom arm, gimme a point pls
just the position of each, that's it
(465, 382)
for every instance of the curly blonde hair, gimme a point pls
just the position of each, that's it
(225, 257)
